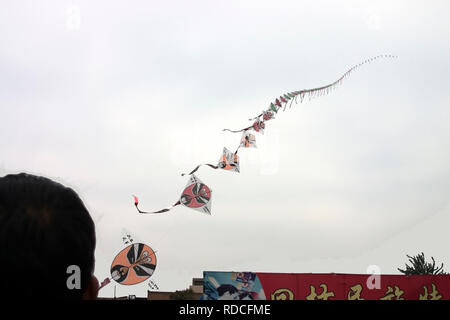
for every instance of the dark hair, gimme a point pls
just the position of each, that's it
(44, 229)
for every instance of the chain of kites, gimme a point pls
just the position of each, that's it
(196, 194)
(137, 262)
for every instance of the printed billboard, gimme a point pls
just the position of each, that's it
(307, 286)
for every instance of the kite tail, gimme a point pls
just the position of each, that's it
(251, 119)
(136, 203)
(242, 130)
(196, 168)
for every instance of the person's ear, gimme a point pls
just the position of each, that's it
(91, 292)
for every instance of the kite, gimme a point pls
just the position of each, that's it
(259, 126)
(248, 140)
(134, 264)
(196, 195)
(268, 115)
(229, 161)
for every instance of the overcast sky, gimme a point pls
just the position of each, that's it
(114, 98)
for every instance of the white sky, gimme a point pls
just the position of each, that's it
(120, 97)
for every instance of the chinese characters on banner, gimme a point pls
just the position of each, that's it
(282, 286)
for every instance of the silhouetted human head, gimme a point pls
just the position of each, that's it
(44, 229)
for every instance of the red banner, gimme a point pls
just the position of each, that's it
(283, 286)
(354, 287)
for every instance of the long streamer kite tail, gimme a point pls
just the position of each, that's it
(136, 203)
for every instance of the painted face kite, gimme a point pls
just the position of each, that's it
(248, 140)
(268, 115)
(196, 195)
(229, 161)
(134, 264)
